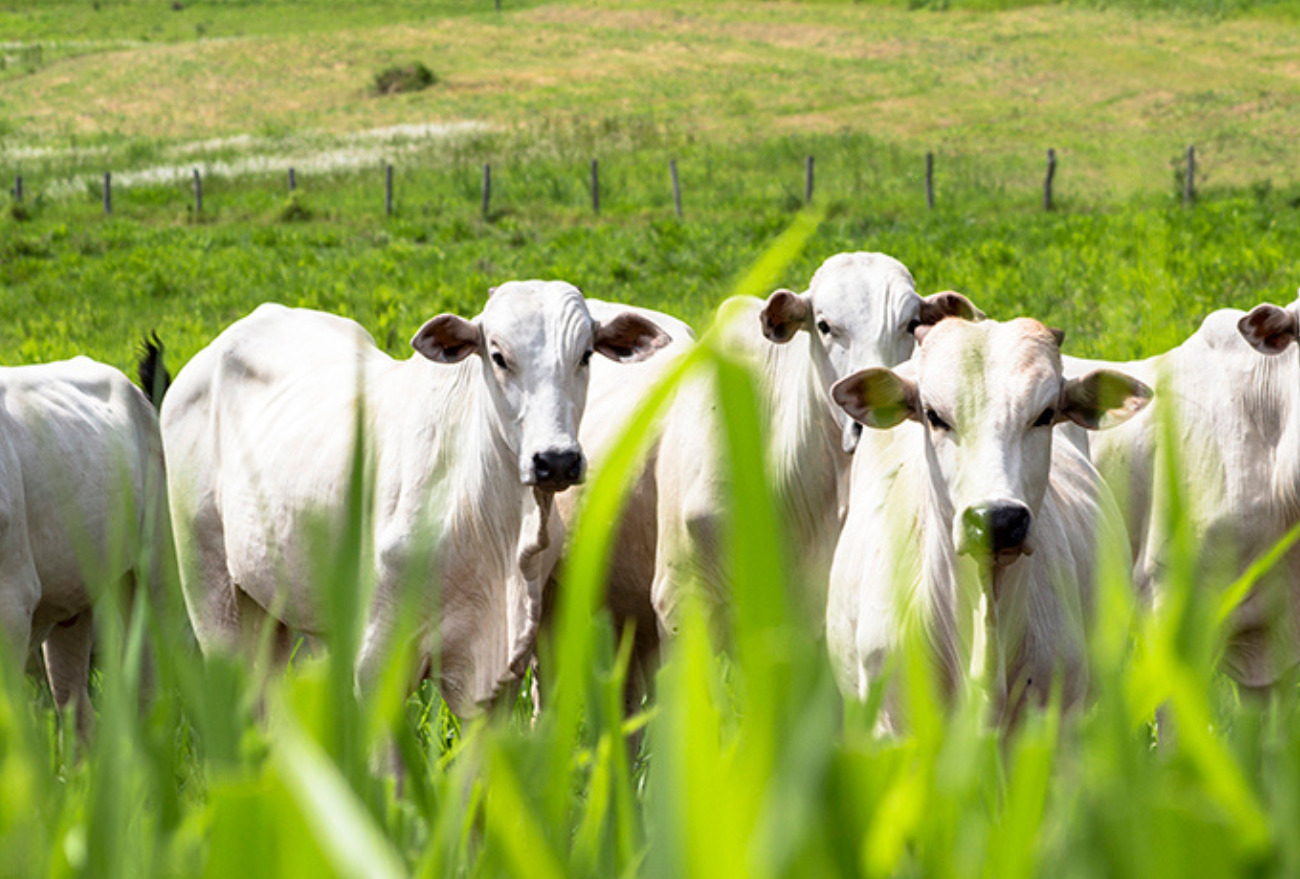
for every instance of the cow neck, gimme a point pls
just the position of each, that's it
(983, 602)
(1273, 393)
(804, 444)
(461, 444)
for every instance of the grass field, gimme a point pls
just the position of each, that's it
(752, 765)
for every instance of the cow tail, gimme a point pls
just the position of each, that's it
(152, 372)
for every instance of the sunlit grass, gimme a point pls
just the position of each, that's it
(753, 764)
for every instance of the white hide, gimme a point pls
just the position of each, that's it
(259, 434)
(80, 475)
(860, 310)
(986, 396)
(1236, 428)
(615, 397)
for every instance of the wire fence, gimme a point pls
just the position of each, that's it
(18, 191)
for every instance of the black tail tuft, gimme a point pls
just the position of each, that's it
(152, 372)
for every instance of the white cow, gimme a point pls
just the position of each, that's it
(614, 398)
(861, 310)
(259, 435)
(1236, 421)
(81, 478)
(967, 520)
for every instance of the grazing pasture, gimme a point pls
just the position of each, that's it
(749, 761)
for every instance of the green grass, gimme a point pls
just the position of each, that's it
(1002, 86)
(752, 765)
(1124, 280)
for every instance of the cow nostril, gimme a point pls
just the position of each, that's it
(996, 528)
(542, 468)
(1008, 526)
(574, 471)
(557, 468)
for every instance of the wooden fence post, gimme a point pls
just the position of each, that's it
(595, 186)
(108, 192)
(18, 188)
(1189, 185)
(1047, 182)
(293, 180)
(929, 181)
(198, 193)
(677, 188)
(487, 189)
(808, 181)
(388, 190)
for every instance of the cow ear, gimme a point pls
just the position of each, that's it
(629, 338)
(784, 314)
(447, 339)
(937, 306)
(1103, 398)
(1058, 334)
(877, 397)
(1269, 329)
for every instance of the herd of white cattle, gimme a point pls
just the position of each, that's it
(911, 442)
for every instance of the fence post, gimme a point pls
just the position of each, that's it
(677, 189)
(808, 182)
(1189, 185)
(929, 181)
(293, 180)
(108, 192)
(388, 190)
(487, 188)
(198, 193)
(595, 186)
(1047, 183)
(18, 188)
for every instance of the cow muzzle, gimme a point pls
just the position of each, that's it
(1000, 531)
(557, 469)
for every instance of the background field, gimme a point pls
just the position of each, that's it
(752, 765)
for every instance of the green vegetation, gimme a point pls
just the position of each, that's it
(751, 765)
(404, 78)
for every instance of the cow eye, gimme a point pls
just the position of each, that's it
(586, 358)
(823, 327)
(1048, 416)
(935, 421)
(499, 360)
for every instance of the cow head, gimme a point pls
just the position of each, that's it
(987, 395)
(535, 340)
(1270, 329)
(862, 310)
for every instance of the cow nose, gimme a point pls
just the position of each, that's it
(999, 527)
(557, 470)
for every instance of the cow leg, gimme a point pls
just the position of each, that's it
(67, 662)
(692, 558)
(19, 594)
(211, 598)
(261, 634)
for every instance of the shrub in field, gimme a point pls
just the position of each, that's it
(400, 78)
(294, 209)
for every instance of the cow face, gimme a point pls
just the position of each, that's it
(987, 395)
(535, 340)
(862, 310)
(1270, 329)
